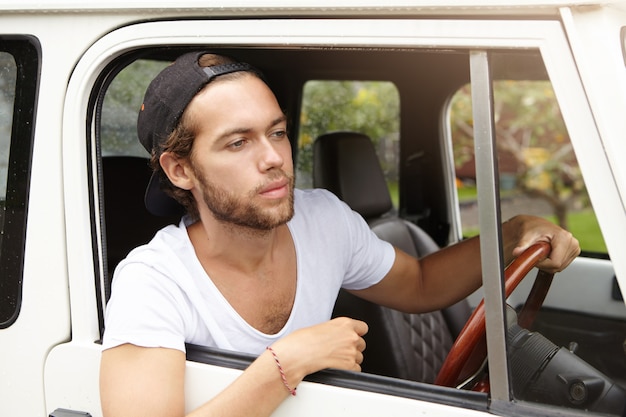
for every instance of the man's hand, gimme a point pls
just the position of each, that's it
(523, 231)
(337, 344)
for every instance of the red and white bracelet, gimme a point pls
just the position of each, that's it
(292, 391)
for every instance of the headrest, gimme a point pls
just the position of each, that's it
(346, 164)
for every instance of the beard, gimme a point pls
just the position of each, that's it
(244, 211)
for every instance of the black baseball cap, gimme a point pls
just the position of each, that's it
(166, 98)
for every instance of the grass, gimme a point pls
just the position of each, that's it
(466, 193)
(395, 193)
(583, 225)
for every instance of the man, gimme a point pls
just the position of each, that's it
(255, 265)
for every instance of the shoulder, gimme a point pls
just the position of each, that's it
(167, 241)
(319, 208)
(316, 199)
(319, 211)
(162, 261)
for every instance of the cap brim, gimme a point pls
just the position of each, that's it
(158, 203)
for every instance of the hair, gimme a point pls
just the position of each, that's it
(180, 141)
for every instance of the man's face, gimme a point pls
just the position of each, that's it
(241, 157)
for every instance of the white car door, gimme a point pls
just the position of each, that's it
(332, 394)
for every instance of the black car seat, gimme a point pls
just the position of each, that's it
(408, 346)
(128, 223)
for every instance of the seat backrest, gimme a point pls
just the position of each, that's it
(128, 223)
(409, 346)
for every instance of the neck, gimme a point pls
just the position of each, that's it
(240, 247)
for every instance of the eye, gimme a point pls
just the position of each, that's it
(279, 134)
(238, 144)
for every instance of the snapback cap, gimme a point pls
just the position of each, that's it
(165, 101)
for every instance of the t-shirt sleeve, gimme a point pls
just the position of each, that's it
(370, 258)
(144, 309)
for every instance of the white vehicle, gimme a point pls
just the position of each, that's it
(72, 176)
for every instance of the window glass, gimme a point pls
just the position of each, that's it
(19, 67)
(121, 105)
(538, 170)
(369, 107)
(8, 74)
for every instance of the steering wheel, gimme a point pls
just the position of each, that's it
(469, 350)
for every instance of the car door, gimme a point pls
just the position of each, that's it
(24, 335)
(331, 393)
(540, 175)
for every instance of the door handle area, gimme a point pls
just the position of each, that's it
(616, 293)
(62, 412)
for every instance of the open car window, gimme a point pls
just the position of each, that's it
(577, 334)
(418, 85)
(538, 169)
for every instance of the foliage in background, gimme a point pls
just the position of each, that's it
(8, 79)
(536, 137)
(530, 129)
(121, 106)
(369, 107)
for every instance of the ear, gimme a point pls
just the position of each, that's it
(177, 170)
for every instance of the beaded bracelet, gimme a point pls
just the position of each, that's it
(292, 391)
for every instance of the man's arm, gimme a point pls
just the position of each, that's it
(129, 372)
(451, 274)
(139, 381)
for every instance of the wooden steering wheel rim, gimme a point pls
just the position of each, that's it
(474, 330)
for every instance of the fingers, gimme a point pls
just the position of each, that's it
(358, 361)
(349, 350)
(360, 327)
(565, 248)
(359, 346)
(530, 230)
(337, 344)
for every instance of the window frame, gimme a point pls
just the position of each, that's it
(547, 36)
(26, 51)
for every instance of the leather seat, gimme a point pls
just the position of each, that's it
(408, 346)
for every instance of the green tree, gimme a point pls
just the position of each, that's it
(368, 107)
(121, 105)
(529, 128)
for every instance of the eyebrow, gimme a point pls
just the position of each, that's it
(225, 135)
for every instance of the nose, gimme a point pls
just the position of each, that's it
(271, 155)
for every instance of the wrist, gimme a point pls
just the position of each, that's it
(281, 371)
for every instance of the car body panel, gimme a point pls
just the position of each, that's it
(62, 298)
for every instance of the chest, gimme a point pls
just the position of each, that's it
(264, 303)
(263, 297)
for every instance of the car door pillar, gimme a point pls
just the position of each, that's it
(490, 221)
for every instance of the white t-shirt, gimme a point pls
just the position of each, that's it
(162, 297)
